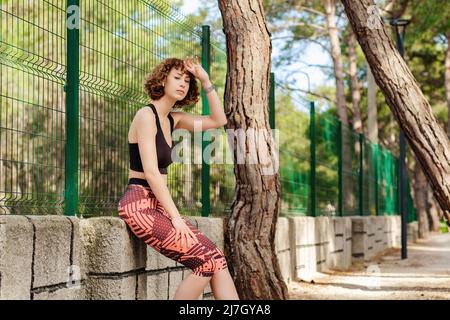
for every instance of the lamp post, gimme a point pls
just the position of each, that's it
(400, 29)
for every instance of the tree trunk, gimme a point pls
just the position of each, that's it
(349, 199)
(372, 112)
(420, 200)
(356, 86)
(405, 99)
(336, 55)
(250, 228)
(433, 211)
(447, 82)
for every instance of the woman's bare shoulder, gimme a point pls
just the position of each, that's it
(144, 113)
(143, 117)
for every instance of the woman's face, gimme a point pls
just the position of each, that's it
(176, 85)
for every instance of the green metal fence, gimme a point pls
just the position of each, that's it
(32, 117)
(64, 125)
(221, 179)
(292, 121)
(64, 144)
(332, 170)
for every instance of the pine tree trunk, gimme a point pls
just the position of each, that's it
(349, 198)
(412, 111)
(250, 228)
(432, 210)
(356, 86)
(372, 112)
(447, 82)
(420, 200)
(336, 55)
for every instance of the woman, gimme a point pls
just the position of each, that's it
(147, 206)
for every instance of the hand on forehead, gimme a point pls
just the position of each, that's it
(182, 71)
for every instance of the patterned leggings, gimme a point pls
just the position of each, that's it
(149, 221)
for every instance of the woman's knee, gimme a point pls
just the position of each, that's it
(210, 267)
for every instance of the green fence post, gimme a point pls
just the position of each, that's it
(340, 180)
(206, 62)
(312, 151)
(71, 88)
(272, 101)
(361, 173)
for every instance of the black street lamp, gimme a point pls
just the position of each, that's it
(400, 29)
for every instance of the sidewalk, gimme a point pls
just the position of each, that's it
(424, 275)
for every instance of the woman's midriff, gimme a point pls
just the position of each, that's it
(140, 175)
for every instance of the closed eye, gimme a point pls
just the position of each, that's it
(187, 81)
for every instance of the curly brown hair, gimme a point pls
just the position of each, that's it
(153, 82)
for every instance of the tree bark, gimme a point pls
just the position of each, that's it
(336, 55)
(433, 211)
(250, 228)
(420, 200)
(372, 112)
(388, 12)
(356, 86)
(447, 82)
(412, 111)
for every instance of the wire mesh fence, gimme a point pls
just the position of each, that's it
(328, 169)
(33, 66)
(325, 167)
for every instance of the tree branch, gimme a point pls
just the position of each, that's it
(284, 86)
(305, 39)
(322, 66)
(297, 24)
(310, 10)
(389, 11)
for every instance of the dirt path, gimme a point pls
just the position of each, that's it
(424, 275)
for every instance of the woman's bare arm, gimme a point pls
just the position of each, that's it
(146, 133)
(214, 120)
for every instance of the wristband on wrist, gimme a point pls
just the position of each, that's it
(211, 88)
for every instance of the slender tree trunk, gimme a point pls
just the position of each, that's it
(349, 199)
(420, 200)
(250, 228)
(432, 210)
(336, 55)
(372, 114)
(447, 82)
(356, 86)
(405, 99)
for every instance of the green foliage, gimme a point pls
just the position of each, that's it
(429, 15)
(426, 45)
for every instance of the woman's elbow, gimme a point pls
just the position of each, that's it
(222, 122)
(152, 175)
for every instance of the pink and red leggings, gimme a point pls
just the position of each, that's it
(149, 221)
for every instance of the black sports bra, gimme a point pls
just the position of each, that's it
(163, 150)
